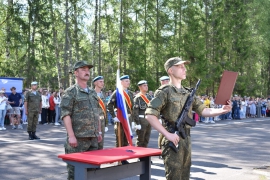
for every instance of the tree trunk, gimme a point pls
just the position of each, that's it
(145, 36)
(31, 64)
(67, 49)
(108, 29)
(9, 13)
(157, 43)
(56, 46)
(95, 39)
(99, 36)
(120, 35)
(76, 40)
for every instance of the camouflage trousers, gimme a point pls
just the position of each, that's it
(84, 144)
(143, 135)
(100, 144)
(160, 137)
(177, 165)
(32, 119)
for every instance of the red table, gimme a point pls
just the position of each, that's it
(93, 159)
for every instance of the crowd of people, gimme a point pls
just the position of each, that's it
(12, 108)
(242, 107)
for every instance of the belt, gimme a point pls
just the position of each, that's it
(141, 116)
(84, 138)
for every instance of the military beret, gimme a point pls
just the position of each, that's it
(124, 77)
(174, 61)
(97, 78)
(164, 78)
(142, 82)
(80, 64)
(34, 83)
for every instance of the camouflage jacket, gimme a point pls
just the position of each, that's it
(33, 101)
(168, 101)
(139, 107)
(113, 104)
(83, 109)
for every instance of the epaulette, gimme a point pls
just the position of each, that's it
(71, 88)
(163, 86)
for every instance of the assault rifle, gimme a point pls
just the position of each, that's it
(183, 118)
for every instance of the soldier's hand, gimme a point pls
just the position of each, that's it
(228, 107)
(115, 119)
(139, 127)
(99, 138)
(26, 112)
(72, 141)
(133, 125)
(173, 138)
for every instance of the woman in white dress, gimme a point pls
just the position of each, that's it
(243, 109)
(252, 110)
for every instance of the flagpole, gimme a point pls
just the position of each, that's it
(119, 62)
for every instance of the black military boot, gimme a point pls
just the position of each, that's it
(30, 135)
(34, 135)
(124, 162)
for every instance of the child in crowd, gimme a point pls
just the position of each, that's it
(263, 108)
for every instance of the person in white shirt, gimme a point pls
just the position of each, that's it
(3, 104)
(57, 101)
(243, 108)
(45, 107)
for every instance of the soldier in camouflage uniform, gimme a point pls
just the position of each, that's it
(163, 81)
(33, 107)
(125, 82)
(79, 111)
(169, 101)
(140, 104)
(99, 84)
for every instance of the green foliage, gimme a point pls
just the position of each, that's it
(40, 40)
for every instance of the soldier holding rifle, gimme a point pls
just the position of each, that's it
(168, 102)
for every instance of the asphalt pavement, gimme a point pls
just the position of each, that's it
(226, 150)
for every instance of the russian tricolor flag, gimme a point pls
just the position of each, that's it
(122, 114)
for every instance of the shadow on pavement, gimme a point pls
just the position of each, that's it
(211, 164)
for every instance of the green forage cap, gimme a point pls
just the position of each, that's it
(80, 64)
(174, 61)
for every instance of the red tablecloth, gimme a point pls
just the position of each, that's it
(111, 155)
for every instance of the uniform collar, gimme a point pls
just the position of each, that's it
(33, 91)
(182, 90)
(81, 89)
